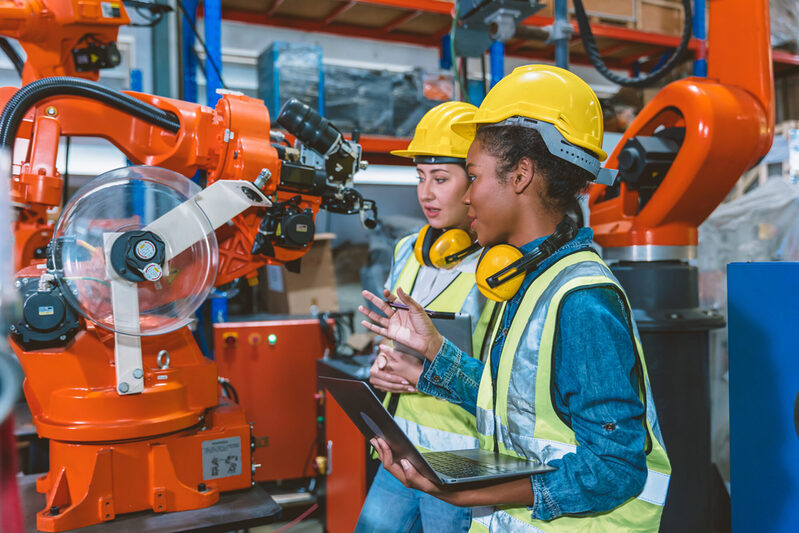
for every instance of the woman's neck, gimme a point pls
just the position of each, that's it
(533, 225)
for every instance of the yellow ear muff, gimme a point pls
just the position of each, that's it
(450, 243)
(492, 261)
(421, 249)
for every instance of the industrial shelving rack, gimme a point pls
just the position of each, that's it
(426, 22)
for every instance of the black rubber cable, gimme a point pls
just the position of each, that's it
(12, 54)
(19, 104)
(587, 36)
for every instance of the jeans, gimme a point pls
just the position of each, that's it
(391, 507)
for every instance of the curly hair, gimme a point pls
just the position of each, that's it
(563, 181)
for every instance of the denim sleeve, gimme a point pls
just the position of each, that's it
(452, 376)
(596, 392)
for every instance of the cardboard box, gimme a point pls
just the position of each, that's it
(294, 294)
(621, 10)
(660, 16)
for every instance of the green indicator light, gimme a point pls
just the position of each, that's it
(272, 338)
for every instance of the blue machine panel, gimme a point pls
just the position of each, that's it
(763, 305)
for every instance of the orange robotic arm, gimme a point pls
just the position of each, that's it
(64, 38)
(691, 143)
(231, 141)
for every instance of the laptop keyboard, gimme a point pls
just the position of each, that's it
(456, 466)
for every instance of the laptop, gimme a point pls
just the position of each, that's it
(457, 327)
(443, 468)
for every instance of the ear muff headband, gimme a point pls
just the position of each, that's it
(455, 258)
(501, 268)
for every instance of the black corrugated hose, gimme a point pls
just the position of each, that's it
(12, 54)
(643, 81)
(29, 95)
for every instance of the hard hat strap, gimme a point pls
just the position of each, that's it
(559, 146)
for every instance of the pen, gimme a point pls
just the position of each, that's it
(431, 314)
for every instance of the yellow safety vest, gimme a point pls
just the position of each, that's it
(536, 431)
(430, 423)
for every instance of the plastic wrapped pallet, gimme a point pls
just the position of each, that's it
(785, 24)
(415, 93)
(762, 225)
(287, 70)
(357, 98)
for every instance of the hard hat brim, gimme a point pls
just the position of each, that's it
(469, 127)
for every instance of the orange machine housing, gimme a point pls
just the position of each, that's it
(729, 125)
(274, 378)
(350, 467)
(48, 30)
(112, 454)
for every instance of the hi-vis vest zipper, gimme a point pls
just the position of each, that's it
(430, 423)
(537, 430)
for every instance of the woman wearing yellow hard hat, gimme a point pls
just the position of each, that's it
(564, 379)
(437, 266)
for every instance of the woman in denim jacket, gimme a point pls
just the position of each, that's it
(563, 379)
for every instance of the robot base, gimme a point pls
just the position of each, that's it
(90, 483)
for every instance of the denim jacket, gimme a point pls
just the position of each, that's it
(594, 383)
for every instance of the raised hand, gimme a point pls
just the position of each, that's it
(413, 327)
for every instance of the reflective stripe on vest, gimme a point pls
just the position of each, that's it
(536, 430)
(432, 424)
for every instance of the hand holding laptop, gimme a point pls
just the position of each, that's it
(412, 327)
(404, 471)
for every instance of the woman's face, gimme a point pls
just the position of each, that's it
(491, 202)
(440, 190)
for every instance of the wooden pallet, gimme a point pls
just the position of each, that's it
(615, 12)
(654, 16)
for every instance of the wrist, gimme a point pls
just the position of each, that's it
(434, 347)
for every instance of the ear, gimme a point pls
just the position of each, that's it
(523, 175)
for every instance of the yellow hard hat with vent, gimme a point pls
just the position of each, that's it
(434, 140)
(547, 94)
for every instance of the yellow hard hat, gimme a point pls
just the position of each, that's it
(549, 94)
(434, 136)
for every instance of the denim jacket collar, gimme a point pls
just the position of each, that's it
(583, 239)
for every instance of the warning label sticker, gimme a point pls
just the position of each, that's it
(221, 458)
(110, 10)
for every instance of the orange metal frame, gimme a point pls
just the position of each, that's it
(112, 454)
(48, 30)
(729, 125)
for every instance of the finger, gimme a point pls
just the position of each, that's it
(389, 377)
(410, 302)
(415, 479)
(374, 317)
(388, 296)
(375, 328)
(389, 387)
(381, 362)
(388, 457)
(378, 302)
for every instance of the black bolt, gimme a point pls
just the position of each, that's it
(54, 510)
(201, 487)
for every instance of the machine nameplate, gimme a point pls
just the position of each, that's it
(221, 458)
